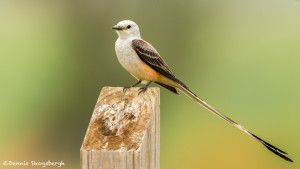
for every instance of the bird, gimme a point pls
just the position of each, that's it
(145, 64)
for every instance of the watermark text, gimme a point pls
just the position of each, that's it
(34, 163)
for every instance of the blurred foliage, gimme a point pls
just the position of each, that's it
(242, 57)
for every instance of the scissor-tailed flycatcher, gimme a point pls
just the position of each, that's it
(143, 62)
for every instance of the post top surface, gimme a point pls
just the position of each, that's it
(119, 120)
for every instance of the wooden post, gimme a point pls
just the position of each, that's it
(124, 131)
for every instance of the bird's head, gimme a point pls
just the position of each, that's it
(127, 29)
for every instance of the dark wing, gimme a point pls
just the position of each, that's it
(150, 56)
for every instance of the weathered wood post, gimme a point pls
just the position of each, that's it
(124, 131)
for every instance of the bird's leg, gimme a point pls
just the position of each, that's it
(143, 89)
(125, 88)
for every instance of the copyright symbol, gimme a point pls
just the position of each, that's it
(5, 163)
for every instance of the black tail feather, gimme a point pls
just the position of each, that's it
(272, 148)
(172, 89)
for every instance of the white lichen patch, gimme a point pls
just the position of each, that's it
(101, 108)
(134, 110)
(122, 148)
(105, 146)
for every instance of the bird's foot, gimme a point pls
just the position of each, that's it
(142, 89)
(125, 88)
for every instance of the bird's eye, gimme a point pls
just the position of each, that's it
(129, 26)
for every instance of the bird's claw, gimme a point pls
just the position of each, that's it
(142, 90)
(125, 88)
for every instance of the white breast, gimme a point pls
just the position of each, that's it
(128, 57)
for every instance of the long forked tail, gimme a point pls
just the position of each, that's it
(270, 147)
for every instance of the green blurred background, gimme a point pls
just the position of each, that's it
(240, 56)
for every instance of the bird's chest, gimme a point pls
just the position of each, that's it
(129, 59)
(127, 56)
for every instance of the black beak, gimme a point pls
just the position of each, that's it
(117, 27)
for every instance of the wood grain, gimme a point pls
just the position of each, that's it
(124, 131)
